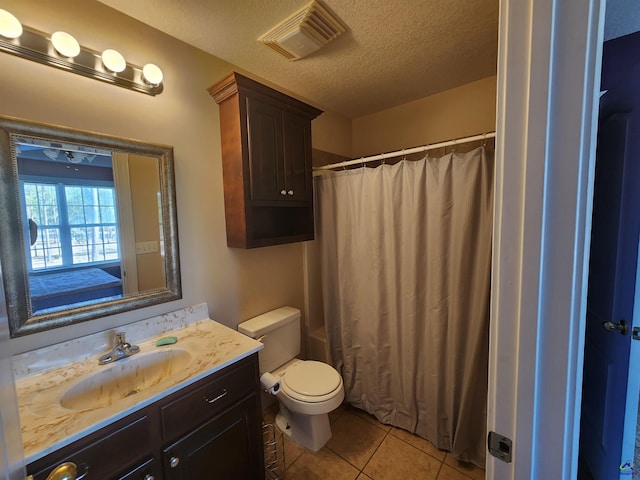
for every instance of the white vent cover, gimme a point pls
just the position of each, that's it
(304, 32)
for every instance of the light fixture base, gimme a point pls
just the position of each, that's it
(35, 45)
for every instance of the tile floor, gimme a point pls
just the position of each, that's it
(362, 448)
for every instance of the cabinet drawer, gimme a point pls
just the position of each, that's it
(107, 455)
(207, 399)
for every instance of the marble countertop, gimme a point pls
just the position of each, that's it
(47, 426)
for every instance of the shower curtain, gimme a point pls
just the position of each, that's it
(406, 256)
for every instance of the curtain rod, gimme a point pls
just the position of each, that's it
(408, 151)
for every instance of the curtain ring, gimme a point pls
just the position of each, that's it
(484, 139)
(362, 161)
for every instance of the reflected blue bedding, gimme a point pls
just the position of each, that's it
(74, 286)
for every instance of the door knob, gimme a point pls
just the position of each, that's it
(620, 327)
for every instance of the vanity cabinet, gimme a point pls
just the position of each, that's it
(266, 162)
(209, 429)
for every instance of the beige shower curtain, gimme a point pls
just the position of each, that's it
(406, 255)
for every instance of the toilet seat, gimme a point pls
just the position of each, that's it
(311, 381)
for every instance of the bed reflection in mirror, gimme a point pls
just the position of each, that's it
(92, 223)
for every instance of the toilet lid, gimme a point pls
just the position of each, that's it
(312, 378)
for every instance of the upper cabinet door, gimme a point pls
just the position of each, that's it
(264, 123)
(297, 157)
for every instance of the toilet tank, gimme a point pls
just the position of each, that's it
(279, 331)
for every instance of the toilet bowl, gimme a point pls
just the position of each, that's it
(308, 391)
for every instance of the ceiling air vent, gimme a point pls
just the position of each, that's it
(304, 32)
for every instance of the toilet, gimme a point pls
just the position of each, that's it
(308, 390)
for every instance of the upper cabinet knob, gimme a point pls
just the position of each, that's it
(290, 192)
(283, 192)
(174, 462)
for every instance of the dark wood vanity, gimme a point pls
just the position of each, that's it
(266, 161)
(211, 428)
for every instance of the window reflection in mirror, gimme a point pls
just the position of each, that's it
(92, 223)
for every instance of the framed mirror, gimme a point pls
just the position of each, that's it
(88, 225)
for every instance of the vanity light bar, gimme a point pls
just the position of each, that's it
(35, 45)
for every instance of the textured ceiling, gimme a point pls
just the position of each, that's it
(394, 51)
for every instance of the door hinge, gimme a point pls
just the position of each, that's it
(636, 333)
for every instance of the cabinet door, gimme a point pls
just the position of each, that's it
(106, 451)
(264, 122)
(297, 157)
(148, 470)
(228, 447)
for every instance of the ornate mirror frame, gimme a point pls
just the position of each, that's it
(12, 252)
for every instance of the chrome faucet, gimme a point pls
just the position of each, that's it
(121, 349)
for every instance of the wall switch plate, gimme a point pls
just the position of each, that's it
(500, 446)
(146, 247)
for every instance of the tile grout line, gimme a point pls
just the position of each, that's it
(361, 470)
(374, 452)
(439, 469)
(285, 459)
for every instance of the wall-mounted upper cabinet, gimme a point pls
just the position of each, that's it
(266, 161)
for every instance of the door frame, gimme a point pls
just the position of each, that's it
(549, 62)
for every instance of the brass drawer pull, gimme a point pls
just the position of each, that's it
(213, 400)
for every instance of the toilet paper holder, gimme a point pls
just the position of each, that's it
(270, 383)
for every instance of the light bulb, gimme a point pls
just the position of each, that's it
(113, 60)
(65, 44)
(152, 74)
(10, 26)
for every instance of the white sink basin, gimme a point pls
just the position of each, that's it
(125, 378)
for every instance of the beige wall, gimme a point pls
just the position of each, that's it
(235, 284)
(459, 112)
(145, 190)
(332, 133)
